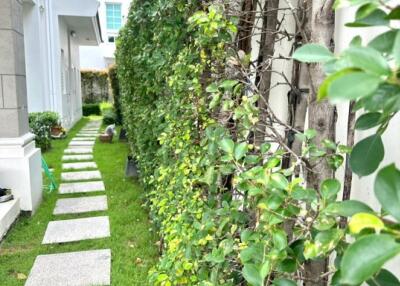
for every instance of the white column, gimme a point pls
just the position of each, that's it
(20, 160)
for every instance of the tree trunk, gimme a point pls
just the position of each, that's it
(322, 115)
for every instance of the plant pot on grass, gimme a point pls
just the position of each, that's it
(106, 138)
(56, 130)
(131, 170)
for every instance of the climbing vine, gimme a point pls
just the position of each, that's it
(229, 208)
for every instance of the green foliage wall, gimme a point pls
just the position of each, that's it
(113, 76)
(222, 203)
(95, 86)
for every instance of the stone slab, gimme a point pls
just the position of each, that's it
(81, 143)
(82, 187)
(63, 231)
(67, 158)
(84, 139)
(89, 133)
(85, 268)
(80, 205)
(80, 176)
(85, 135)
(81, 147)
(78, 151)
(79, 166)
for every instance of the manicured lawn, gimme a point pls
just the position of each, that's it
(132, 244)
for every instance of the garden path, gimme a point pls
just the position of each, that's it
(80, 176)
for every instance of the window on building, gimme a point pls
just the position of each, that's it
(111, 39)
(114, 16)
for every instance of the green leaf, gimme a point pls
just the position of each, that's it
(367, 59)
(368, 120)
(362, 221)
(387, 190)
(324, 87)
(252, 275)
(384, 42)
(265, 147)
(302, 194)
(313, 53)
(353, 85)
(279, 238)
(394, 14)
(376, 18)
(240, 150)
(212, 88)
(283, 282)
(367, 155)
(366, 256)
(228, 84)
(227, 145)
(329, 189)
(347, 208)
(384, 278)
(279, 181)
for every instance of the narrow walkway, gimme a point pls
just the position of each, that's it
(80, 175)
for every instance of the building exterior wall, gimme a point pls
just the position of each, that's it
(102, 57)
(53, 62)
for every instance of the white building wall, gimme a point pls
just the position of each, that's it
(102, 57)
(52, 59)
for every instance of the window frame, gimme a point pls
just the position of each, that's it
(113, 22)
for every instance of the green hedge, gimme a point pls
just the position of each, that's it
(40, 124)
(95, 86)
(91, 109)
(113, 76)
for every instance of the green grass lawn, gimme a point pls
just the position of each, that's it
(133, 246)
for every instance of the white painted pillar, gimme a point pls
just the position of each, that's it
(20, 160)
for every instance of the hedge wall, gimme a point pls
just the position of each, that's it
(113, 76)
(225, 189)
(95, 86)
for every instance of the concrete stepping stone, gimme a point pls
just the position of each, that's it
(85, 135)
(90, 129)
(85, 268)
(80, 176)
(80, 147)
(84, 139)
(81, 143)
(81, 205)
(71, 230)
(67, 158)
(78, 151)
(79, 166)
(82, 187)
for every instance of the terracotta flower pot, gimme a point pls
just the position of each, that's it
(56, 130)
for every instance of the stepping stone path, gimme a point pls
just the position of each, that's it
(85, 268)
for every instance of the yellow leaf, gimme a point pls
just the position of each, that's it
(362, 221)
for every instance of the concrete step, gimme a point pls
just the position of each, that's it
(9, 212)
(81, 205)
(63, 231)
(85, 268)
(82, 187)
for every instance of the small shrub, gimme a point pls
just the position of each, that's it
(109, 117)
(105, 107)
(91, 109)
(40, 124)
